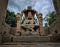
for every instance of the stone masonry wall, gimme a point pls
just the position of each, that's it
(3, 6)
(57, 7)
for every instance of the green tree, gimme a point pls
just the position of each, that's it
(10, 18)
(50, 18)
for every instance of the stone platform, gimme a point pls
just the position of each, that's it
(31, 45)
(31, 39)
(27, 39)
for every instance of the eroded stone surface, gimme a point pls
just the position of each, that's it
(33, 45)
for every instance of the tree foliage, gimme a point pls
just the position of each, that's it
(50, 18)
(10, 18)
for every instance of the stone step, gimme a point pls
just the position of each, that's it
(34, 45)
(18, 43)
(31, 39)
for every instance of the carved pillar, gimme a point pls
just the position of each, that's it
(57, 7)
(18, 28)
(41, 30)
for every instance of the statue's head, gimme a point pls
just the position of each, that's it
(29, 8)
(40, 14)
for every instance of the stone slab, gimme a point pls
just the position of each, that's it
(31, 39)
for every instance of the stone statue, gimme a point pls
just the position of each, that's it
(29, 26)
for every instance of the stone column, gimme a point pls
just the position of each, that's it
(41, 29)
(18, 28)
(3, 6)
(57, 7)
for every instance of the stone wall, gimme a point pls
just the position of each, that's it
(3, 6)
(57, 7)
(52, 28)
(13, 30)
(46, 30)
(6, 30)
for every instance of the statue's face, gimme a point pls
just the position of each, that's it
(29, 7)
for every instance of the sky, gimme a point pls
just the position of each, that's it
(42, 6)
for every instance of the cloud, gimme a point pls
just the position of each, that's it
(39, 5)
(42, 6)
